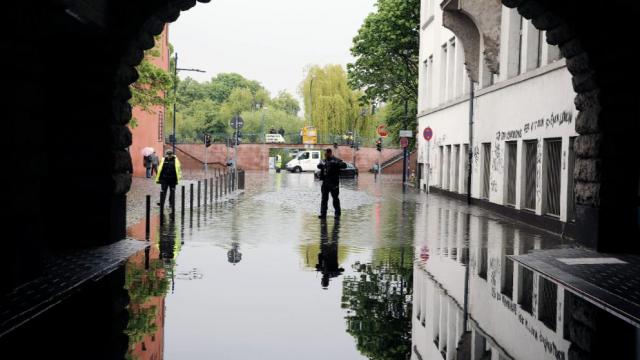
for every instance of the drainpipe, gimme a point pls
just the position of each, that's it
(471, 96)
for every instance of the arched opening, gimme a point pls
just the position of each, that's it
(71, 155)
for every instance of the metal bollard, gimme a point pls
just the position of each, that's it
(206, 187)
(198, 193)
(191, 198)
(216, 187)
(147, 227)
(211, 190)
(182, 200)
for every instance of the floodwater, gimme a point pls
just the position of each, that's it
(402, 275)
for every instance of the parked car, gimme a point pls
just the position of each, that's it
(305, 161)
(349, 172)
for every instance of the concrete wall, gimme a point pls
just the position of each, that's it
(526, 102)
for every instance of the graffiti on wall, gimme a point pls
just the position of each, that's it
(496, 161)
(539, 173)
(494, 186)
(508, 135)
(476, 157)
(553, 120)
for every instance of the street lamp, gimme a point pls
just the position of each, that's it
(264, 109)
(363, 113)
(175, 94)
(313, 76)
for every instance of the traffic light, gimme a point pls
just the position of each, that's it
(207, 140)
(379, 145)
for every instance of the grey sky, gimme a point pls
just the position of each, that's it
(268, 41)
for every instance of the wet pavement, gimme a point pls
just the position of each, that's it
(399, 276)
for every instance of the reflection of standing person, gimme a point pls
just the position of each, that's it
(169, 175)
(330, 175)
(328, 256)
(154, 163)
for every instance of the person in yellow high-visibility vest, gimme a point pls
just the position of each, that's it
(169, 174)
(278, 162)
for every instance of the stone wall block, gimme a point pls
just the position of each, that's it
(587, 146)
(587, 193)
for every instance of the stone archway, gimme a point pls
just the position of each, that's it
(70, 63)
(593, 39)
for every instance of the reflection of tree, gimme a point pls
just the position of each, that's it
(147, 283)
(379, 300)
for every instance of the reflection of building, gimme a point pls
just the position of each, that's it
(513, 313)
(523, 147)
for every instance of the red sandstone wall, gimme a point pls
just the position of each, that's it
(148, 131)
(396, 168)
(256, 156)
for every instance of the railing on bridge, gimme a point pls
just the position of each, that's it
(289, 138)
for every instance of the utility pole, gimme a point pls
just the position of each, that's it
(470, 159)
(404, 151)
(175, 94)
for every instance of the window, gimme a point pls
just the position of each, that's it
(507, 264)
(430, 98)
(465, 180)
(315, 155)
(525, 297)
(304, 156)
(484, 248)
(451, 57)
(521, 45)
(512, 153)
(552, 170)
(447, 173)
(441, 172)
(571, 199)
(486, 169)
(531, 148)
(547, 302)
(456, 168)
(443, 73)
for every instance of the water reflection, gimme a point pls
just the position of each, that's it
(328, 255)
(402, 276)
(378, 297)
(473, 302)
(148, 277)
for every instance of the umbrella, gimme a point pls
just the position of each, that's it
(147, 151)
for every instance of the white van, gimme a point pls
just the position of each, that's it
(306, 160)
(273, 138)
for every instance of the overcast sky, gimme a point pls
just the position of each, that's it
(268, 41)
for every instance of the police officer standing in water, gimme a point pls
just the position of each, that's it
(330, 176)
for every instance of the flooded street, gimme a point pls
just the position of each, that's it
(256, 274)
(261, 276)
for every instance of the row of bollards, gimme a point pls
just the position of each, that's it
(215, 188)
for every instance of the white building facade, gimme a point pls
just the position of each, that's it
(522, 114)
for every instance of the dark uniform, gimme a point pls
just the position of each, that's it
(330, 176)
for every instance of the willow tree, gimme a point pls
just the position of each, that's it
(331, 105)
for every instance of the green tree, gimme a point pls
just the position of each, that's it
(151, 88)
(386, 49)
(286, 102)
(331, 105)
